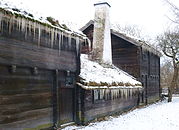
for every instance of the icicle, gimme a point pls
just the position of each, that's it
(122, 94)
(107, 93)
(55, 37)
(26, 26)
(101, 94)
(114, 94)
(30, 27)
(77, 45)
(1, 17)
(89, 44)
(126, 93)
(52, 37)
(39, 34)
(131, 91)
(34, 28)
(23, 24)
(62, 38)
(59, 42)
(69, 41)
(10, 24)
(19, 24)
(117, 93)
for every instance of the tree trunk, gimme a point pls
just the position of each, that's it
(173, 83)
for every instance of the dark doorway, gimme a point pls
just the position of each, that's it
(66, 98)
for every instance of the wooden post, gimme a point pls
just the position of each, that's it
(57, 91)
(56, 115)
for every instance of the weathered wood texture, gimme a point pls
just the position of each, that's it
(135, 60)
(31, 93)
(150, 75)
(66, 98)
(24, 54)
(110, 104)
(38, 46)
(125, 56)
(25, 97)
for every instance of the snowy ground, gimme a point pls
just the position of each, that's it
(159, 116)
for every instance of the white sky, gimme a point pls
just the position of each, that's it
(150, 15)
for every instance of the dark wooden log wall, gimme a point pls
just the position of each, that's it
(40, 48)
(125, 56)
(109, 104)
(138, 62)
(150, 75)
(25, 97)
(33, 70)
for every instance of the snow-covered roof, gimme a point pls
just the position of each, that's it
(19, 13)
(94, 75)
(131, 39)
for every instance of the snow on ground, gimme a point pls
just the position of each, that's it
(94, 72)
(159, 116)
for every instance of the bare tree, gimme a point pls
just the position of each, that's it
(131, 30)
(166, 73)
(175, 10)
(169, 43)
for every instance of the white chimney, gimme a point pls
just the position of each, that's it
(102, 35)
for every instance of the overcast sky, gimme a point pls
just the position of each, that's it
(150, 15)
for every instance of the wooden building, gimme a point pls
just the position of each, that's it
(104, 90)
(39, 64)
(41, 85)
(135, 57)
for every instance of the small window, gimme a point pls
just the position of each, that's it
(69, 81)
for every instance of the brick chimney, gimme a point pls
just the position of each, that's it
(102, 35)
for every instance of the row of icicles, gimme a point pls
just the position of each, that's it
(24, 25)
(116, 93)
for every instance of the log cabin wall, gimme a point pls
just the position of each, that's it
(99, 103)
(25, 97)
(150, 75)
(138, 62)
(125, 56)
(37, 63)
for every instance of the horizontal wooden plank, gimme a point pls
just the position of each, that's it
(23, 54)
(27, 115)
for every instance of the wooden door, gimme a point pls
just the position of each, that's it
(66, 99)
(66, 105)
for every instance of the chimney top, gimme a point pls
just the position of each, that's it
(101, 3)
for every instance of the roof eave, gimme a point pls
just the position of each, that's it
(91, 22)
(127, 38)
